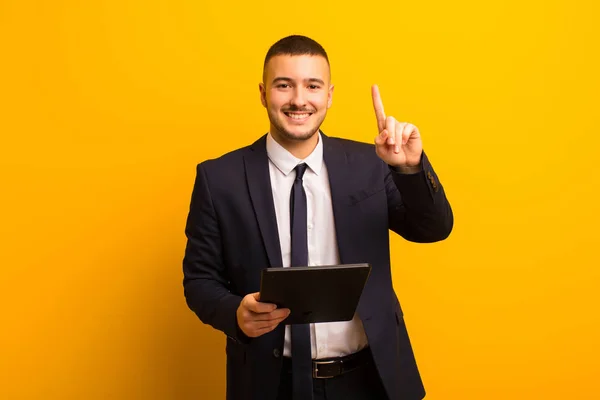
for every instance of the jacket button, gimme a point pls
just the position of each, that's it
(276, 353)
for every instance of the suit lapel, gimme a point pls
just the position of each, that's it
(343, 183)
(340, 182)
(259, 184)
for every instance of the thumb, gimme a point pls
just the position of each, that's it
(253, 304)
(381, 139)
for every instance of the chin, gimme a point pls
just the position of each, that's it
(295, 134)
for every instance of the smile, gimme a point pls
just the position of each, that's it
(298, 116)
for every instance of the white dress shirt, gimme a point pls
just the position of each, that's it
(333, 339)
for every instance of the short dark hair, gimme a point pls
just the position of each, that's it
(295, 45)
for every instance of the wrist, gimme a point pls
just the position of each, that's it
(406, 169)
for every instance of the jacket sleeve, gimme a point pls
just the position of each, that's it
(418, 209)
(205, 282)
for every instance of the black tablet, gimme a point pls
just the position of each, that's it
(315, 294)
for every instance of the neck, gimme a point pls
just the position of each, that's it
(298, 148)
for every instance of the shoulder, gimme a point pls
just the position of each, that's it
(229, 162)
(353, 150)
(226, 160)
(350, 144)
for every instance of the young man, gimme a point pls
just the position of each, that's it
(299, 197)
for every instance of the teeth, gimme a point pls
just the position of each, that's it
(298, 116)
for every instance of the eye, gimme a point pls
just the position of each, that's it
(283, 86)
(313, 87)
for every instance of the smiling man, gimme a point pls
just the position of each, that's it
(298, 197)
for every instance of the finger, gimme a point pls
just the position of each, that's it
(264, 325)
(399, 129)
(272, 316)
(261, 308)
(390, 126)
(378, 106)
(252, 304)
(260, 325)
(381, 138)
(407, 131)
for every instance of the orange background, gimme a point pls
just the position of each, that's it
(107, 106)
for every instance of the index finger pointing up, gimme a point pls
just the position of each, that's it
(378, 106)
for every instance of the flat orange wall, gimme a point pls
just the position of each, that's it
(107, 106)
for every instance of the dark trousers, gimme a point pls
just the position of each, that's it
(362, 383)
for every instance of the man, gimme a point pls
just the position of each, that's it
(298, 197)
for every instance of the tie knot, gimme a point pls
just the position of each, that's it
(300, 170)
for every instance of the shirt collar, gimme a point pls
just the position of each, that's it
(286, 162)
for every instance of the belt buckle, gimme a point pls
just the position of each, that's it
(316, 368)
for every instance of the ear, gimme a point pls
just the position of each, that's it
(263, 94)
(330, 96)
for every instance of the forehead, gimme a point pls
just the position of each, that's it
(299, 67)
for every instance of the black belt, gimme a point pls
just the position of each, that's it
(332, 367)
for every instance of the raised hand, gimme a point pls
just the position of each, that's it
(398, 143)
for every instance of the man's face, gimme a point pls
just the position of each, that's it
(296, 93)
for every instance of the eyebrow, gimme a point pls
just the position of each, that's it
(309, 80)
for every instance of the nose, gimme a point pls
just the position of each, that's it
(298, 99)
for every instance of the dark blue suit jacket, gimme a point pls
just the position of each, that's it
(232, 235)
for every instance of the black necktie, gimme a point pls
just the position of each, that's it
(301, 352)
